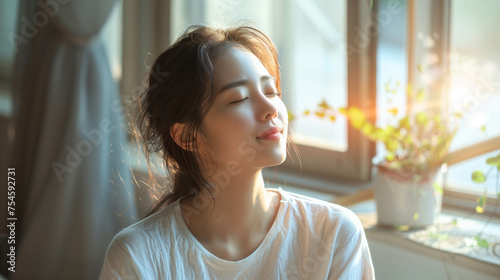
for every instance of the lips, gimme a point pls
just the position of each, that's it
(270, 132)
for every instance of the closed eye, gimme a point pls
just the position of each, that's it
(275, 94)
(271, 93)
(234, 102)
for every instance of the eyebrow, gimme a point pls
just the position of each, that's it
(244, 82)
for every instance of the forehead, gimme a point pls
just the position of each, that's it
(237, 63)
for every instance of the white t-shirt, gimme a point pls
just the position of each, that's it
(309, 239)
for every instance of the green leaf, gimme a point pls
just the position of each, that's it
(481, 202)
(391, 144)
(420, 95)
(404, 122)
(390, 156)
(367, 128)
(324, 105)
(402, 227)
(426, 145)
(493, 160)
(393, 111)
(320, 114)
(356, 116)
(481, 242)
(443, 236)
(454, 222)
(422, 118)
(438, 188)
(378, 134)
(409, 91)
(408, 140)
(478, 177)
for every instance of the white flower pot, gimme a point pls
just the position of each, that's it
(404, 203)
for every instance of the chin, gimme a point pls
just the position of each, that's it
(275, 159)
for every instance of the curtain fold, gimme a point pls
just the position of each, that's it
(74, 185)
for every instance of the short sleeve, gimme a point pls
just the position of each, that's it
(352, 258)
(118, 264)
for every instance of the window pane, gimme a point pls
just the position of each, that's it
(460, 175)
(474, 83)
(213, 12)
(474, 69)
(319, 72)
(229, 12)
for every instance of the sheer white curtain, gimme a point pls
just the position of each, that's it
(74, 189)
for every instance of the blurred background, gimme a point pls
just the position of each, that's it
(69, 68)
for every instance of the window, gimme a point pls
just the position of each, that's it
(318, 71)
(315, 40)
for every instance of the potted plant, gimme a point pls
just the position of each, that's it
(408, 185)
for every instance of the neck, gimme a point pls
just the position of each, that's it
(238, 210)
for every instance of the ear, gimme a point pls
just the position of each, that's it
(179, 135)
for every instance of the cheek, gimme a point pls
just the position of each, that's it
(232, 128)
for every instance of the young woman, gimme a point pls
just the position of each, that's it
(213, 111)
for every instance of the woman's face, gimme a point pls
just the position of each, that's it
(246, 105)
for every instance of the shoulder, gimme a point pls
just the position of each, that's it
(134, 250)
(147, 230)
(323, 212)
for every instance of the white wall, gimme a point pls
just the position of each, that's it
(392, 262)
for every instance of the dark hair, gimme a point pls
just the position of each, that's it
(181, 89)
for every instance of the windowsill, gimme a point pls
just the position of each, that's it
(316, 186)
(455, 251)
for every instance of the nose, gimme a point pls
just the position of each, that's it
(273, 115)
(268, 109)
